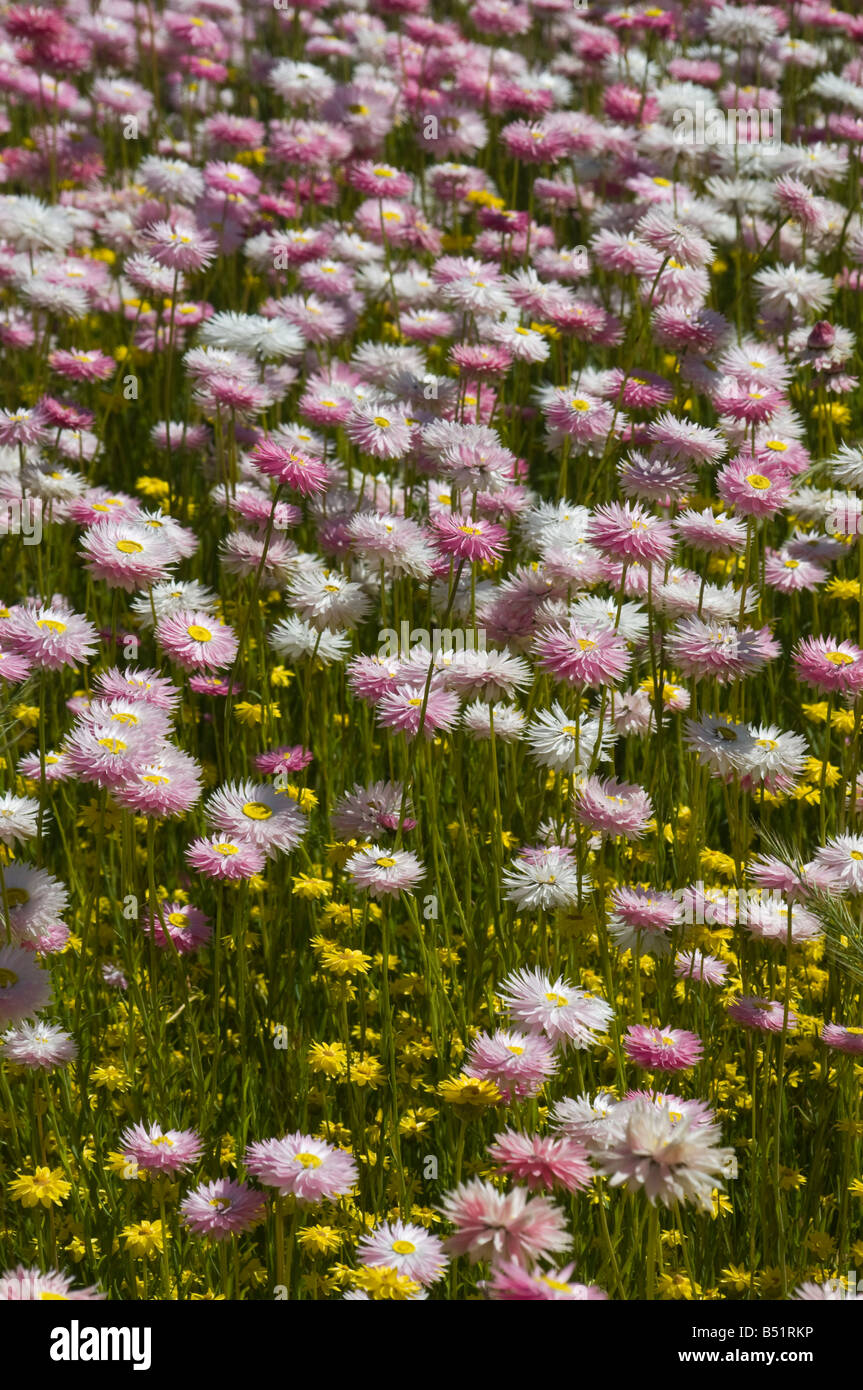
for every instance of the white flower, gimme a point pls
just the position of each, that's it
(547, 878)
(674, 1157)
(19, 818)
(565, 1014)
(565, 742)
(292, 638)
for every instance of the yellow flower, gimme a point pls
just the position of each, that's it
(156, 488)
(820, 1243)
(341, 961)
(367, 1072)
(329, 1058)
(28, 714)
(384, 1283)
(111, 1077)
(307, 887)
(678, 1286)
(320, 1240)
(250, 714)
(736, 1278)
(414, 1122)
(466, 1090)
(46, 1187)
(144, 1239)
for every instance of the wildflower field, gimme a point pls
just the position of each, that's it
(431, 651)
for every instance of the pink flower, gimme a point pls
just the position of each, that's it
(542, 1162)
(509, 1282)
(469, 538)
(221, 1209)
(196, 640)
(50, 635)
(402, 709)
(284, 759)
(167, 785)
(847, 1040)
(662, 1049)
(519, 1064)
(40, 1046)
(384, 872)
(223, 856)
(695, 965)
(165, 1151)
(830, 665)
(90, 365)
(31, 1285)
(291, 467)
(628, 531)
(184, 247)
(567, 1016)
(410, 1249)
(613, 808)
(258, 814)
(755, 489)
(303, 1167)
(379, 430)
(500, 1226)
(582, 654)
(25, 989)
(766, 1014)
(186, 925)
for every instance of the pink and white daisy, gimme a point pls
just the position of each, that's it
(158, 1150)
(567, 1016)
(225, 857)
(221, 1209)
(303, 1167)
(542, 1162)
(519, 1064)
(500, 1226)
(662, 1049)
(383, 872)
(196, 641)
(408, 1248)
